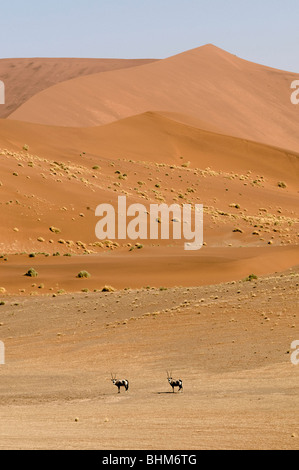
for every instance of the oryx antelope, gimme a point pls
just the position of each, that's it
(174, 383)
(120, 383)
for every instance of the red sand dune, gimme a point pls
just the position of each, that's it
(226, 93)
(24, 78)
(37, 193)
(153, 137)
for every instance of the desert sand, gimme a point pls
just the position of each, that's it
(203, 127)
(229, 343)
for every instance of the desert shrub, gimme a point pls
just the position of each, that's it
(83, 275)
(281, 184)
(54, 229)
(108, 289)
(251, 277)
(31, 273)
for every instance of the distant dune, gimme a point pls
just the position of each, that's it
(24, 78)
(225, 93)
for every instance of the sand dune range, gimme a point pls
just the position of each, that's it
(225, 93)
(187, 150)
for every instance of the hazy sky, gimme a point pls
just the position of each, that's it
(264, 31)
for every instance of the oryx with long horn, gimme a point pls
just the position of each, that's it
(174, 383)
(119, 383)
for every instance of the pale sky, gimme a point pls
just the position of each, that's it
(263, 31)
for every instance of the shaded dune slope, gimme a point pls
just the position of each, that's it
(24, 78)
